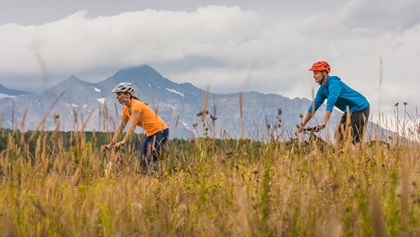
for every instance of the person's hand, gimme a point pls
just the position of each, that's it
(105, 147)
(320, 126)
(300, 127)
(118, 145)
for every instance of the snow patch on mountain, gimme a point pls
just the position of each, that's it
(171, 106)
(101, 100)
(175, 91)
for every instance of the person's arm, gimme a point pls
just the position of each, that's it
(301, 126)
(306, 119)
(118, 132)
(318, 101)
(334, 89)
(321, 125)
(325, 121)
(135, 116)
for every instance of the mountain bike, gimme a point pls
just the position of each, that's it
(315, 139)
(120, 161)
(113, 163)
(311, 141)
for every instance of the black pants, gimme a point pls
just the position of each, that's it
(152, 147)
(358, 121)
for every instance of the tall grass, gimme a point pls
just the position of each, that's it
(208, 187)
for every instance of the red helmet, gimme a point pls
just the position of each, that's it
(321, 66)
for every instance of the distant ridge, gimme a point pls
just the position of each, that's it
(11, 92)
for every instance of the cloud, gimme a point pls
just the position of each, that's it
(79, 43)
(228, 48)
(383, 15)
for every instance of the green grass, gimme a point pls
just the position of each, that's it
(208, 187)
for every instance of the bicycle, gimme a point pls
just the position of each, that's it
(116, 166)
(314, 141)
(115, 163)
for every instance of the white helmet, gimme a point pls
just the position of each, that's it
(124, 87)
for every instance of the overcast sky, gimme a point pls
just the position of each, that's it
(246, 45)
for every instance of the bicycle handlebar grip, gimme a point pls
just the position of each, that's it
(106, 148)
(312, 129)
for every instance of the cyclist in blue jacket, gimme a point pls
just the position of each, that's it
(343, 97)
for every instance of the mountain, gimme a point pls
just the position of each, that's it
(79, 102)
(6, 92)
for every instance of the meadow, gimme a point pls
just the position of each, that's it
(53, 185)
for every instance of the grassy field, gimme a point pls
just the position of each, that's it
(208, 187)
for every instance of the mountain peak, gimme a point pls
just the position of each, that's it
(143, 71)
(140, 68)
(140, 75)
(73, 78)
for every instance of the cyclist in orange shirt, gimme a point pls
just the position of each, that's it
(140, 114)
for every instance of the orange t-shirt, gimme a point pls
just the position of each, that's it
(149, 120)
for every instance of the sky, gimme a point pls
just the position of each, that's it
(230, 46)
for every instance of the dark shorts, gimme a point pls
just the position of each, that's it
(152, 147)
(358, 122)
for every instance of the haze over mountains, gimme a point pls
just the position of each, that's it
(81, 105)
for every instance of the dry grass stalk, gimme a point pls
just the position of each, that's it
(45, 115)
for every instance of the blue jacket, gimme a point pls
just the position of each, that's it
(340, 95)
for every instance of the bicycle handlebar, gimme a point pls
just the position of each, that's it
(105, 148)
(311, 129)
